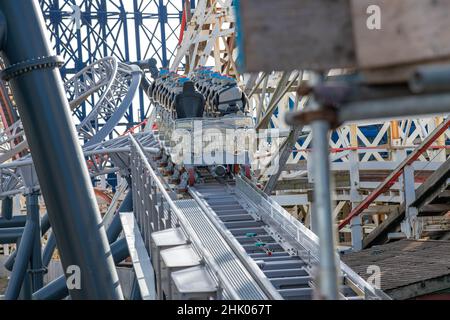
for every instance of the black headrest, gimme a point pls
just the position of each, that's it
(188, 87)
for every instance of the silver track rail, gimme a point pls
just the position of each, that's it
(156, 210)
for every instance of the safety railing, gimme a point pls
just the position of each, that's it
(395, 175)
(290, 228)
(155, 210)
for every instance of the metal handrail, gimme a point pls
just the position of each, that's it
(394, 176)
(299, 232)
(184, 224)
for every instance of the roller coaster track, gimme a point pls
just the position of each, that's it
(112, 105)
(114, 85)
(251, 246)
(103, 158)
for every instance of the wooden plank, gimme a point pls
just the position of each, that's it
(433, 186)
(412, 31)
(285, 35)
(422, 288)
(380, 234)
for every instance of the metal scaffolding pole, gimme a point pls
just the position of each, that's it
(322, 212)
(63, 177)
(322, 199)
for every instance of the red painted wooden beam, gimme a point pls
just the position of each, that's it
(393, 177)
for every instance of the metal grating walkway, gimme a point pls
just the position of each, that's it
(226, 259)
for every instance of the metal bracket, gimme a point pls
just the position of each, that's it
(326, 113)
(24, 67)
(43, 270)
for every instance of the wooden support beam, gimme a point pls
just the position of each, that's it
(285, 35)
(393, 177)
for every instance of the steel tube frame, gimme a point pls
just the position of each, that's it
(58, 158)
(10, 235)
(57, 289)
(112, 233)
(7, 208)
(322, 198)
(45, 226)
(36, 267)
(22, 261)
(419, 105)
(15, 222)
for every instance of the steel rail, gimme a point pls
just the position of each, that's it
(11, 181)
(281, 221)
(184, 224)
(251, 266)
(112, 76)
(29, 161)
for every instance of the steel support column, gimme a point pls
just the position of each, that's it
(115, 228)
(64, 180)
(57, 289)
(26, 291)
(7, 208)
(49, 249)
(162, 13)
(21, 262)
(45, 226)
(36, 267)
